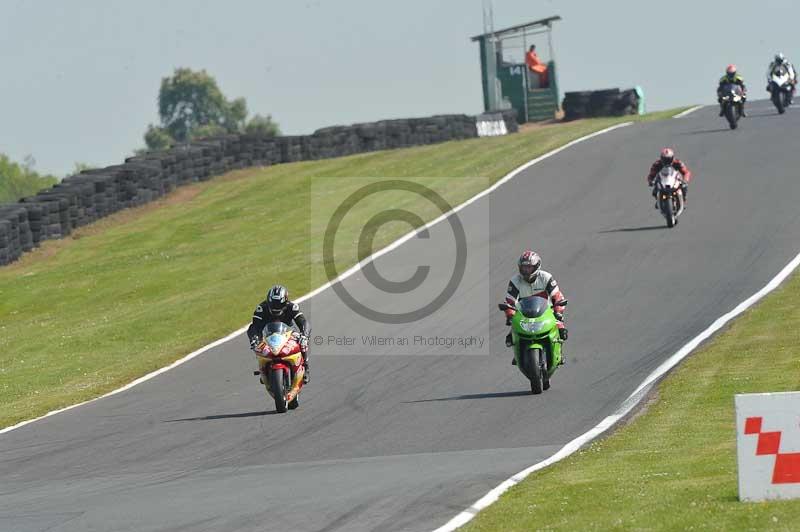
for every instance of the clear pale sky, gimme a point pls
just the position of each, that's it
(80, 79)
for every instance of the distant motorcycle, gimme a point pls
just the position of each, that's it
(669, 194)
(732, 98)
(780, 88)
(280, 363)
(537, 343)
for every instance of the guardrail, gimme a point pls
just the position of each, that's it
(81, 199)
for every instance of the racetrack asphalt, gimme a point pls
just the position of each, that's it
(404, 437)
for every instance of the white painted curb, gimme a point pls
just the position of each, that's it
(341, 277)
(688, 111)
(632, 400)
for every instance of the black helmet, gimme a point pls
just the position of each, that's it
(779, 58)
(277, 297)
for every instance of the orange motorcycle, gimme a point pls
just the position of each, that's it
(280, 363)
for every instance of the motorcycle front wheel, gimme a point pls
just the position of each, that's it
(731, 115)
(667, 211)
(778, 100)
(535, 368)
(276, 384)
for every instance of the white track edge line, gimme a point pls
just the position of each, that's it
(627, 405)
(340, 278)
(688, 111)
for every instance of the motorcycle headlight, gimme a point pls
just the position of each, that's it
(532, 326)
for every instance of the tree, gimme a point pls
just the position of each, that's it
(235, 115)
(191, 105)
(157, 138)
(209, 130)
(80, 167)
(262, 125)
(191, 99)
(20, 180)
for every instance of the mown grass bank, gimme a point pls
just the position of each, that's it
(673, 467)
(138, 290)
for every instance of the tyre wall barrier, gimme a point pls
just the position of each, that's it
(608, 102)
(81, 199)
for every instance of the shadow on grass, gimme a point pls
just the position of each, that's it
(224, 416)
(633, 229)
(493, 395)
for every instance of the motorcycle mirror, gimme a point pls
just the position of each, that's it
(503, 306)
(562, 303)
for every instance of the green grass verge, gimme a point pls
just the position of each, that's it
(138, 290)
(674, 466)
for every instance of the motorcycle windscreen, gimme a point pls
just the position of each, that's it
(780, 71)
(731, 88)
(780, 76)
(533, 306)
(275, 327)
(275, 342)
(668, 177)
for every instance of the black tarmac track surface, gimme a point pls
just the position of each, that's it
(403, 437)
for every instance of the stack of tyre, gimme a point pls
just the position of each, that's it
(93, 194)
(607, 102)
(16, 235)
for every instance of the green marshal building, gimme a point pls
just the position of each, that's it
(507, 81)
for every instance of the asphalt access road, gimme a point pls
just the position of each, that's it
(403, 437)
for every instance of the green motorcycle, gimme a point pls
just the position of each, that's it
(537, 344)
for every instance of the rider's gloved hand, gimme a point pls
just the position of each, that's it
(509, 314)
(559, 316)
(303, 341)
(563, 333)
(254, 342)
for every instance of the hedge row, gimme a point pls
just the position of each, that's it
(609, 102)
(83, 198)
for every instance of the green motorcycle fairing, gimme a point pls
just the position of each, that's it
(534, 326)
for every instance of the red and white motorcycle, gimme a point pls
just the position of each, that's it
(669, 194)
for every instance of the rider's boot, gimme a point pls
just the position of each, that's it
(510, 343)
(721, 110)
(563, 333)
(741, 106)
(306, 375)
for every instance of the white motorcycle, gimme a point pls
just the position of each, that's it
(669, 194)
(780, 87)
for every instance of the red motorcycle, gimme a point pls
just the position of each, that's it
(280, 363)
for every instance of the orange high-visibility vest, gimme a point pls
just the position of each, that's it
(534, 63)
